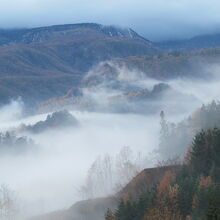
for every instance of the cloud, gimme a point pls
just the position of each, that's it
(155, 19)
(51, 176)
(48, 179)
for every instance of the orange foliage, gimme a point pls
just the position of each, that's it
(166, 214)
(125, 197)
(205, 181)
(188, 217)
(166, 205)
(165, 183)
(194, 202)
(173, 192)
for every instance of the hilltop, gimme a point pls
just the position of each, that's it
(40, 63)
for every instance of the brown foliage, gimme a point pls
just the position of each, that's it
(205, 181)
(188, 217)
(166, 205)
(165, 214)
(165, 183)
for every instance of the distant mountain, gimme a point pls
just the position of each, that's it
(164, 66)
(45, 62)
(197, 42)
(42, 63)
(65, 32)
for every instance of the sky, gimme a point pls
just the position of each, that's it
(155, 19)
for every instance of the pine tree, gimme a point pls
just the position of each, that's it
(213, 211)
(109, 215)
(121, 211)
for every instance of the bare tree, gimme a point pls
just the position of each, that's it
(99, 180)
(8, 206)
(126, 166)
(108, 174)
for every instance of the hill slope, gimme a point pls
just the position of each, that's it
(95, 209)
(197, 42)
(41, 63)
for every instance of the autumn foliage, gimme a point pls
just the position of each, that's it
(191, 193)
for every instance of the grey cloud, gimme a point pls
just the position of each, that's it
(155, 19)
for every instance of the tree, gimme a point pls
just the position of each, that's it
(109, 215)
(125, 166)
(8, 206)
(166, 204)
(201, 155)
(164, 184)
(164, 128)
(213, 210)
(188, 183)
(99, 180)
(200, 200)
(120, 211)
(109, 174)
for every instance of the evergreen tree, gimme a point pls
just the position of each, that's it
(109, 215)
(213, 211)
(121, 211)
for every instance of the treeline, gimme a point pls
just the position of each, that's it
(56, 120)
(193, 193)
(10, 143)
(176, 138)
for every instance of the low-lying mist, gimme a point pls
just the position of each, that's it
(49, 177)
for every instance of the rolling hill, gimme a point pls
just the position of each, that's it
(95, 209)
(45, 62)
(197, 42)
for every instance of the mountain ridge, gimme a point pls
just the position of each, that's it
(41, 34)
(196, 42)
(45, 64)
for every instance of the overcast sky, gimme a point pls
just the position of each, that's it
(155, 19)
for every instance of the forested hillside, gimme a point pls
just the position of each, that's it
(46, 62)
(191, 193)
(175, 138)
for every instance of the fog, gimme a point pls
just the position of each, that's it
(49, 177)
(156, 20)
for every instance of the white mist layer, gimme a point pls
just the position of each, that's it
(49, 178)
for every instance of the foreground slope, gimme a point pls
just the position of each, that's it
(95, 209)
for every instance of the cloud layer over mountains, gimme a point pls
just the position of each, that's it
(156, 20)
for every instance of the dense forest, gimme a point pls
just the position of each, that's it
(194, 191)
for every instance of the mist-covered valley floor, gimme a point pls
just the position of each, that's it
(52, 171)
(48, 176)
(99, 122)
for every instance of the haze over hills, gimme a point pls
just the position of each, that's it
(125, 80)
(65, 32)
(96, 208)
(197, 42)
(113, 85)
(46, 62)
